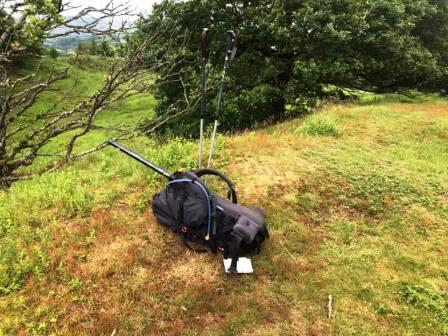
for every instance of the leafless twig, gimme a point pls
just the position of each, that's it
(330, 307)
(25, 135)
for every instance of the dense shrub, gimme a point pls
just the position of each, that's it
(291, 52)
(53, 53)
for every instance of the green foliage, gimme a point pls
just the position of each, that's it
(429, 299)
(255, 77)
(319, 125)
(28, 209)
(82, 47)
(290, 52)
(30, 33)
(75, 284)
(105, 49)
(53, 53)
(425, 297)
(93, 47)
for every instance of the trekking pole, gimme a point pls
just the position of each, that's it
(137, 157)
(205, 56)
(230, 55)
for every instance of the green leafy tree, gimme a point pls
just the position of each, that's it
(254, 83)
(53, 53)
(81, 48)
(294, 53)
(365, 45)
(105, 49)
(26, 23)
(93, 47)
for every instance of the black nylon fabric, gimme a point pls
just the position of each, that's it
(168, 203)
(183, 207)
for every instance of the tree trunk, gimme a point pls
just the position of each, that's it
(3, 164)
(279, 108)
(2, 140)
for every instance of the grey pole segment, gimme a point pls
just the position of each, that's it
(212, 145)
(205, 56)
(201, 139)
(230, 55)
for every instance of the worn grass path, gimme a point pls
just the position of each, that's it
(361, 216)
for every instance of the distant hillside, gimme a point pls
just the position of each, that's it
(70, 42)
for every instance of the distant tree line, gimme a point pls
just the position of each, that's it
(91, 46)
(294, 53)
(88, 47)
(66, 43)
(94, 47)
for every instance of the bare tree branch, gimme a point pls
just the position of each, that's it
(89, 21)
(110, 20)
(22, 139)
(24, 135)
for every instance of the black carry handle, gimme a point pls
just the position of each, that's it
(204, 43)
(231, 44)
(208, 171)
(137, 157)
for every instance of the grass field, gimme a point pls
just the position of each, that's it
(86, 76)
(357, 205)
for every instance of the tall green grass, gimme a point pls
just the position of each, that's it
(362, 218)
(30, 209)
(319, 125)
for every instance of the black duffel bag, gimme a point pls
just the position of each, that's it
(198, 215)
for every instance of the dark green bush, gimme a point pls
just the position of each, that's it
(53, 53)
(292, 52)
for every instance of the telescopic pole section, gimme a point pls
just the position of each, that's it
(230, 55)
(205, 56)
(137, 157)
(201, 139)
(215, 126)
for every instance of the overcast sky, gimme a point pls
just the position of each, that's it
(138, 5)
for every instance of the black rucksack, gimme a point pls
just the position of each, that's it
(198, 215)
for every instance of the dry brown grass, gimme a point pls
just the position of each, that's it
(431, 110)
(117, 269)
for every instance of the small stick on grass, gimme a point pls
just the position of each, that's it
(289, 252)
(330, 307)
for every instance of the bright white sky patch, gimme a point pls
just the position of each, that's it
(138, 5)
